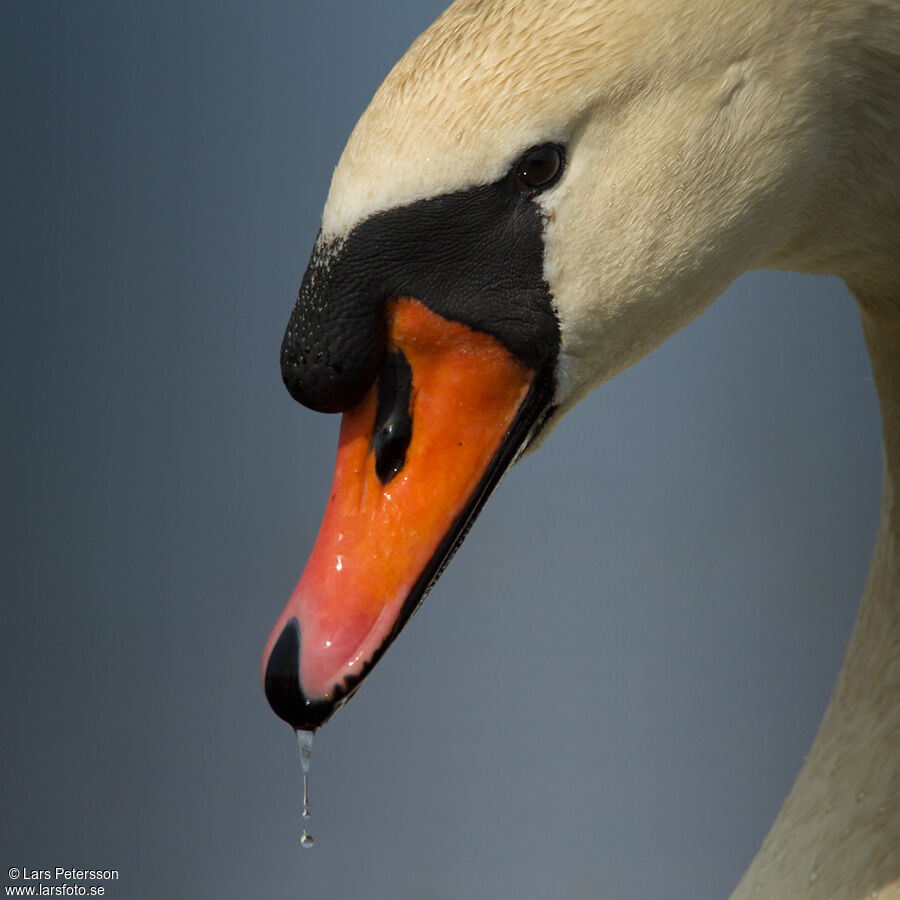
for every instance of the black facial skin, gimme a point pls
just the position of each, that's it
(473, 256)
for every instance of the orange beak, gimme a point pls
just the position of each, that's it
(416, 460)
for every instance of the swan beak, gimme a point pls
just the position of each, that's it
(416, 460)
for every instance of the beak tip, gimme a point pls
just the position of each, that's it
(281, 683)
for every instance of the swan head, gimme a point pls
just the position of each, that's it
(537, 196)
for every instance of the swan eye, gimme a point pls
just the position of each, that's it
(539, 167)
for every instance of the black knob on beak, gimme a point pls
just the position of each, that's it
(335, 338)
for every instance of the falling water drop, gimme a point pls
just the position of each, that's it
(305, 742)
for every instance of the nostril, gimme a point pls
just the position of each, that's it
(393, 417)
(390, 446)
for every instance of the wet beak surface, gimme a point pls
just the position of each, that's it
(415, 461)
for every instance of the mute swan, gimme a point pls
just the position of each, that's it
(537, 196)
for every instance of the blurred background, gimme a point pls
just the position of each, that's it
(607, 695)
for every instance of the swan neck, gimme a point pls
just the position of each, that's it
(838, 831)
(880, 316)
(851, 226)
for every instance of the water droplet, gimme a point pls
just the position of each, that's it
(860, 796)
(306, 839)
(813, 877)
(305, 742)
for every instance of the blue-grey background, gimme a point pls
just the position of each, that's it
(611, 689)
